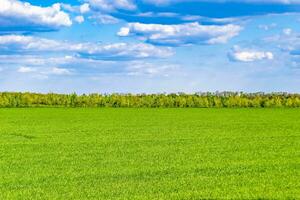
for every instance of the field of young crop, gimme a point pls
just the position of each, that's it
(57, 153)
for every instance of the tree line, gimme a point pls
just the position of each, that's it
(178, 100)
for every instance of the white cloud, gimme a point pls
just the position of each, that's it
(69, 7)
(36, 60)
(287, 41)
(104, 19)
(124, 31)
(191, 17)
(26, 69)
(57, 71)
(27, 44)
(240, 55)
(287, 31)
(138, 68)
(157, 14)
(37, 67)
(44, 72)
(183, 34)
(79, 19)
(84, 8)
(125, 51)
(17, 15)
(267, 27)
(112, 5)
(76, 9)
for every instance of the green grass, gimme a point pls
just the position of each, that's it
(149, 153)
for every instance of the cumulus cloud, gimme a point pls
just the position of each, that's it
(240, 55)
(22, 16)
(182, 34)
(27, 44)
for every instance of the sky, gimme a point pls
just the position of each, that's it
(149, 46)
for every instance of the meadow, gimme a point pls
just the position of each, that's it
(131, 153)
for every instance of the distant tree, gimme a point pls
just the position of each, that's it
(180, 100)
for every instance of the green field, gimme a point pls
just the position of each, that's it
(51, 153)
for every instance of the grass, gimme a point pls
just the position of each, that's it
(149, 153)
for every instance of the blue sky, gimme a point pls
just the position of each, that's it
(149, 46)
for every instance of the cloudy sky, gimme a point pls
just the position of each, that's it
(149, 46)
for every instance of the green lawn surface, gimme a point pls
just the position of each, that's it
(58, 153)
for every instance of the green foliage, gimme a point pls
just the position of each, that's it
(62, 153)
(180, 100)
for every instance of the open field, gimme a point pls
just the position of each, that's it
(49, 153)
